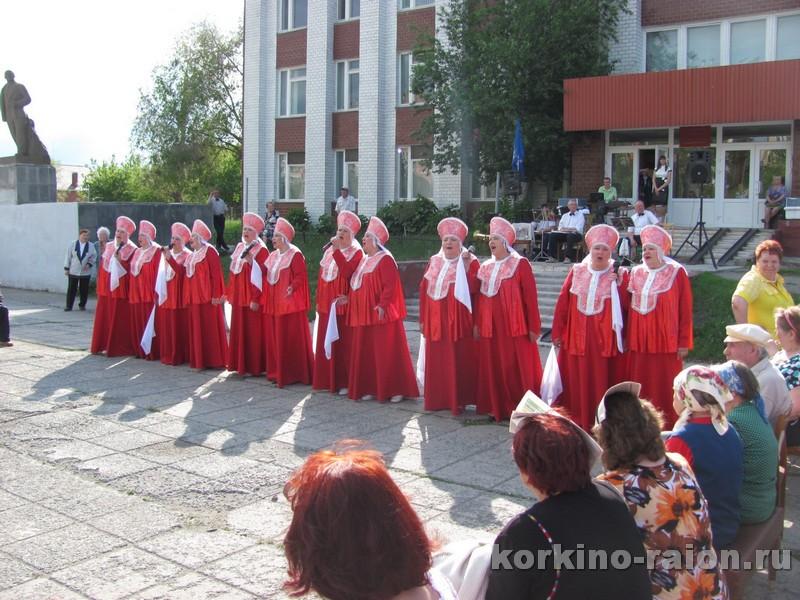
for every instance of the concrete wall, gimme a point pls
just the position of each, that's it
(33, 242)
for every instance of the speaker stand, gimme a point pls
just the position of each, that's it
(702, 234)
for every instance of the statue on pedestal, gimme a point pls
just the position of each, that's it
(13, 100)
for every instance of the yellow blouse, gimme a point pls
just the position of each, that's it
(763, 297)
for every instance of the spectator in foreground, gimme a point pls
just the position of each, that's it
(5, 327)
(747, 344)
(78, 264)
(746, 413)
(553, 458)
(354, 535)
(713, 449)
(787, 323)
(761, 290)
(660, 489)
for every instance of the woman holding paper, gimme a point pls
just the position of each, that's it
(380, 365)
(203, 293)
(587, 327)
(659, 324)
(338, 264)
(285, 303)
(448, 352)
(507, 326)
(144, 268)
(173, 336)
(245, 285)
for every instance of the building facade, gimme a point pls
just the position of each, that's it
(328, 103)
(718, 76)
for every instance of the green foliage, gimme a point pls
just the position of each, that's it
(481, 218)
(299, 219)
(190, 122)
(415, 217)
(120, 182)
(364, 222)
(712, 312)
(507, 60)
(326, 225)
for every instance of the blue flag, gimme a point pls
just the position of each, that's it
(518, 158)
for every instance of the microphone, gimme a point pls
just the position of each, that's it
(119, 248)
(170, 246)
(326, 246)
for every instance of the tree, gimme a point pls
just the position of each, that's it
(190, 122)
(503, 60)
(118, 182)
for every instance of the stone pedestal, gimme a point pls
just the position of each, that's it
(23, 183)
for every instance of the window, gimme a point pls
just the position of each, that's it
(737, 174)
(291, 176)
(414, 3)
(292, 92)
(405, 73)
(662, 50)
(346, 85)
(748, 42)
(622, 173)
(482, 192)
(292, 14)
(702, 46)
(682, 183)
(757, 133)
(347, 171)
(413, 176)
(788, 38)
(348, 9)
(639, 137)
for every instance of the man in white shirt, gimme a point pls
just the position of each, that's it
(345, 201)
(747, 343)
(569, 232)
(81, 256)
(218, 207)
(641, 218)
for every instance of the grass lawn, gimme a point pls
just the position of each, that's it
(712, 312)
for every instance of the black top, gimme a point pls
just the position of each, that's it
(596, 518)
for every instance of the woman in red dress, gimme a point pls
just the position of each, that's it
(203, 293)
(338, 264)
(144, 269)
(659, 325)
(448, 351)
(507, 325)
(100, 329)
(121, 339)
(285, 306)
(380, 364)
(584, 327)
(246, 346)
(173, 335)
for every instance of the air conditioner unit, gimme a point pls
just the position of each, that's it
(792, 209)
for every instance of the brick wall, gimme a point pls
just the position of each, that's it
(346, 40)
(587, 163)
(626, 52)
(291, 50)
(345, 129)
(660, 12)
(412, 23)
(796, 160)
(408, 121)
(290, 134)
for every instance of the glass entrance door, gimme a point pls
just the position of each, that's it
(748, 173)
(622, 170)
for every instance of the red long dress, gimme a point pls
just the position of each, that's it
(286, 333)
(144, 269)
(589, 360)
(101, 311)
(246, 346)
(336, 269)
(121, 340)
(380, 364)
(173, 337)
(507, 311)
(659, 322)
(451, 351)
(208, 340)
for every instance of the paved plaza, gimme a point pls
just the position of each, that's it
(122, 478)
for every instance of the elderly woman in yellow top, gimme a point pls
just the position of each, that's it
(761, 289)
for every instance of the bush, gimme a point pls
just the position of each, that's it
(326, 225)
(299, 219)
(481, 218)
(416, 217)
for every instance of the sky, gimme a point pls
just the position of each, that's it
(84, 62)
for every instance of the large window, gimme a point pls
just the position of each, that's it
(292, 92)
(291, 176)
(622, 173)
(662, 50)
(405, 72)
(346, 84)
(414, 3)
(413, 177)
(788, 37)
(737, 174)
(347, 171)
(702, 46)
(292, 14)
(682, 182)
(348, 9)
(748, 42)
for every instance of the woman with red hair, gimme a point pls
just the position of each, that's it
(573, 516)
(354, 535)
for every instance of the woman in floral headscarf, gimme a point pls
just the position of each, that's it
(712, 448)
(661, 492)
